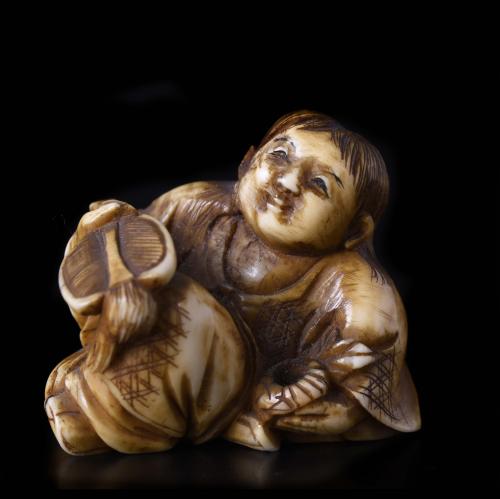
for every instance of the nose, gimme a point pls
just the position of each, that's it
(290, 180)
(278, 178)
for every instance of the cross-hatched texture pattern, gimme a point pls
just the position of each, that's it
(380, 386)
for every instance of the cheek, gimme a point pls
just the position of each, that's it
(321, 220)
(305, 224)
(315, 213)
(248, 195)
(244, 191)
(262, 174)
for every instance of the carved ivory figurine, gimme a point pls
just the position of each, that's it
(255, 309)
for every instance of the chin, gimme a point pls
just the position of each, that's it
(288, 236)
(284, 226)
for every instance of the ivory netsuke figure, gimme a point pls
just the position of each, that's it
(255, 310)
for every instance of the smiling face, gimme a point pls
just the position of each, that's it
(297, 193)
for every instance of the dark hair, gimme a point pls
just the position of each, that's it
(363, 160)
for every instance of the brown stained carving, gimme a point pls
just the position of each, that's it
(141, 244)
(256, 310)
(85, 270)
(132, 374)
(277, 329)
(379, 389)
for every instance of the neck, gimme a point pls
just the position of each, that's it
(298, 253)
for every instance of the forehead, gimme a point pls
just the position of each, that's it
(312, 143)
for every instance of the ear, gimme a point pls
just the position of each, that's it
(363, 232)
(245, 162)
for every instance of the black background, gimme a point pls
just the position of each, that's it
(122, 124)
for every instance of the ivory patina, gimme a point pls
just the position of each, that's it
(255, 310)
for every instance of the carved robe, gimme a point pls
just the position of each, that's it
(331, 308)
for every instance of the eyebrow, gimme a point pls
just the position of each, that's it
(284, 139)
(337, 179)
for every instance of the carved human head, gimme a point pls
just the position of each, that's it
(312, 186)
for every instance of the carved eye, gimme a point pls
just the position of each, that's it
(279, 153)
(337, 179)
(319, 182)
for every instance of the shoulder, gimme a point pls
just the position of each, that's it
(194, 196)
(371, 305)
(203, 190)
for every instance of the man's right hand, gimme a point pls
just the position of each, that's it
(101, 213)
(113, 244)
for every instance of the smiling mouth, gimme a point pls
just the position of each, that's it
(269, 200)
(272, 199)
(274, 204)
(282, 208)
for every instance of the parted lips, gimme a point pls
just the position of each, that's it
(135, 246)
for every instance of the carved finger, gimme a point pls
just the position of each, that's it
(323, 417)
(346, 356)
(279, 399)
(100, 214)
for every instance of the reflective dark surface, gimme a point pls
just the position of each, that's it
(393, 463)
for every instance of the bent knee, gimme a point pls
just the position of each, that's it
(55, 382)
